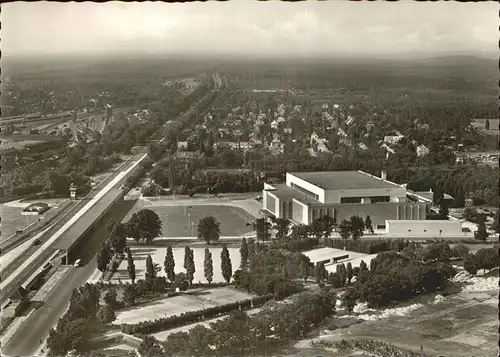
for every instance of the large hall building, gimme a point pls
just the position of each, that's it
(307, 196)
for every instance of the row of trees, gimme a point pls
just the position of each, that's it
(74, 327)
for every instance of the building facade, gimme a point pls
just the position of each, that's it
(340, 194)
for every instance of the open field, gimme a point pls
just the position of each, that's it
(463, 324)
(158, 255)
(182, 221)
(177, 305)
(494, 126)
(12, 220)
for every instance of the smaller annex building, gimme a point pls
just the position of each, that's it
(35, 209)
(307, 196)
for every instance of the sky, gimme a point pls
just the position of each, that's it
(247, 28)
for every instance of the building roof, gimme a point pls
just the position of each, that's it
(322, 254)
(286, 193)
(343, 180)
(430, 195)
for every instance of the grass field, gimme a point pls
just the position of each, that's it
(494, 128)
(158, 255)
(13, 220)
(196, 300)
(176, 219)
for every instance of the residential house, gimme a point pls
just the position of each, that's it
(182, 145)
(349, 120)
(187, 156)
(422, 150)
(393, 139)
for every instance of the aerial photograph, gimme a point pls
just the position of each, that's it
(248, 178)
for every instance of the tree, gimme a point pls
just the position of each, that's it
(487, 124)
(110, 297)
(318, 273)
(443, 210)
(343, 274)
(106, 314)
(487, 258)
(334, 280)
(300, 231)
(103, 258)
(460, 199)
(129, 295)
(150, 271)
(208, 266)
(345, 229)
(262, 228)
(169, 265)
(145, 225)
(357, 227)
(496, 222)
(349, 300)
(150, 347)
(117, 237)
(324, 226)
(131, 267)
(481, 233)
(305, 267)
(363, 272)
(208, 229)
(470, 265)
(349, 272)
(189, 265)
(368, 224)
(438, 194)
(244, 253)
(470, 214)
(460, 250)
(226, 267)
(282, 226)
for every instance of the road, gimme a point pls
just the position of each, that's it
(6, 271)
(27, 264)
(27, 339)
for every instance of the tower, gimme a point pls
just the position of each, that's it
(72, 191)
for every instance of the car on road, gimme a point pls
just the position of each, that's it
(37, 242)
(258, 198)
(77, 263)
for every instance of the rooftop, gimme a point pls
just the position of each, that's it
(343, 180)
(286, 193)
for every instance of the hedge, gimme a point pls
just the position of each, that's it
(369, 247)
(170, 322)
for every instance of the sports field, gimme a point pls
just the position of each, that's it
(158, 255)
(191, 301)
(182, 221)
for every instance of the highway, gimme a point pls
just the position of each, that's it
(26, 266)
(27, 339)
(56, 225)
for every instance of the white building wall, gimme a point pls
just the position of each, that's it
(395, 193)
(306, 185)
(300, 212)
(424, 228)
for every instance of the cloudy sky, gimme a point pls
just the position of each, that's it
(246, 27)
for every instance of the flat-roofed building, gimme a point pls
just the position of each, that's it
(307, 196)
